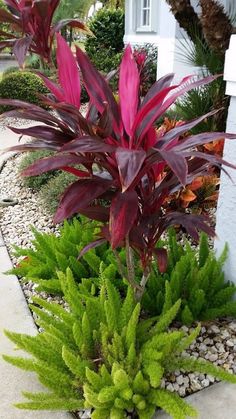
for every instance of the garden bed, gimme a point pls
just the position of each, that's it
(217, 340)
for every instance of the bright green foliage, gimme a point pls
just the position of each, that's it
(52, 253)
(21, 85)
(35, 182)
(105, 48)
(9, 70)
(195, 276)
(101, 354)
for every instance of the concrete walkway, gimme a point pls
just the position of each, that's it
(15, 316)
(216, 402)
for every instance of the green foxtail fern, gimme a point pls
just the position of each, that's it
(194, 275)
(52, 253)
(100, 354)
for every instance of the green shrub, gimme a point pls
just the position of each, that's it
(51, 192)
(35, 182)
(9, 70)
(148, 72)
(105, 48)
(52, 253)
(194, 275)
(21, 85)
(101, 355)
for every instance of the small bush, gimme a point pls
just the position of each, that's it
(101, 355)
(52, 254)
(195, 276)
(105, 48)
(51, 192)
(9, 70)
(21, 85)
(35, 182)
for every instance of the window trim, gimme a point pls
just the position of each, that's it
(139, 17)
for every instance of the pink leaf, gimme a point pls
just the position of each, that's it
(129, 82)
(68, 72)
(123, 212)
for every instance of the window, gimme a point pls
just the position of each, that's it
(145, 13)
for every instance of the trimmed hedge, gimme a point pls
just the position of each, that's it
(106, 46)
(21, 85)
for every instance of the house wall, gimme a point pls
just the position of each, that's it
(133, 34)
(165, 33)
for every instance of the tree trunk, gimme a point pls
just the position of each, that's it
(216, 26)
(187, 18)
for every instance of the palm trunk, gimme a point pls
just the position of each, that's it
(187, 18)
(216, 26)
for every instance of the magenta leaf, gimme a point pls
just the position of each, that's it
(54, 89)
(129, 82)
(97, 87)
(80, 195)
(123, 213)
(68, 72)
(156, 88)
(129, 163)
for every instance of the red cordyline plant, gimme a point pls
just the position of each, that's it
(31, 27)
(120, 153)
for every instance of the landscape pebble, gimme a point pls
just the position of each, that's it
(217, 340)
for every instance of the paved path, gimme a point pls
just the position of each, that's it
(15, 316)
(4, 64)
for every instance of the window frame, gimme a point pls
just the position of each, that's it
(139, 17)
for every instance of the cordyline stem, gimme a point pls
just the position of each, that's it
(130, 264)
(121, 268)
(130, 268)
(145, 277)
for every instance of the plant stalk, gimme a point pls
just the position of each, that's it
(130, 265)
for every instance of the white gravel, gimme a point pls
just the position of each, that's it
(217, 341)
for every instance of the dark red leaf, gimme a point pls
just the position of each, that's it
(90, 246)
(87, 144)
(181, 129)
(43, 132)
(162, 259)
(202, 138)
(52, 163)
(80, 195)
(129, 163)
(123, 213)
(96, 212)
(74, 23)
(21, 48)
(177, 163)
